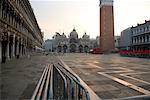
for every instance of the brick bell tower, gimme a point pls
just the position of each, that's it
(106, 26)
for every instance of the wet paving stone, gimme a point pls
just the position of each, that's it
(144, 77)
(147, 87)
(89, 83)
(114, 70)
(27, 93)
(19, 77)
(125, 93)
(105, 95)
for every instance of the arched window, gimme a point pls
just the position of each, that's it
(147, 28)
(147, 38)
(143, 29)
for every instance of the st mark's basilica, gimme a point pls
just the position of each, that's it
(72, 43)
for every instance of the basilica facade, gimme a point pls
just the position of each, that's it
(72, 43)
(19, 30)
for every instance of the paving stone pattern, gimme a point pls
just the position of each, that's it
(112, 76)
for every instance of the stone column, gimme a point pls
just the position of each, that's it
(23, 49)
(0, 47)
(7, 52)
(26, 47)
(0, 51)
(142, 39)
(20, 47)
(133, 40)
(137, 40)
(13, 46)
(145, 38)
(1, 8)
(17, 47)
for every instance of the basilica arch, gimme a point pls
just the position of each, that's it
(65, 47)
(80, 48)
(73, 47)
(86, 48)
(59, 48)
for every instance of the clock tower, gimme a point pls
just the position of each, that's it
(106, 25)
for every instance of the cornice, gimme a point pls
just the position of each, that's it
(106, 3)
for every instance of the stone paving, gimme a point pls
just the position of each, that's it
(20, 77)
(112, 76)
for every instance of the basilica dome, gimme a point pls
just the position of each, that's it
(63, 35)
(74, 34)
(85, 36)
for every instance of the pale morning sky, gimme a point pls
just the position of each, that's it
(63, 15)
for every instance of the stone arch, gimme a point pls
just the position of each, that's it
(80, 48)
(59, 48)
(86, 48)
(65, 47)
(73, 47)
(4, 43)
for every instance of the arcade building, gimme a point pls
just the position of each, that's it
(19, 30)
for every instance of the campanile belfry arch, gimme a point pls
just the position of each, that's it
(106, 25)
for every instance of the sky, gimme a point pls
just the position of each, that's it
(83, 15)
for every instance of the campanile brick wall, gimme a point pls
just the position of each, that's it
(106, 28)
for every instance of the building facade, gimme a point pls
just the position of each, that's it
(135, 41)
(141, 36)
(62, 43)
(19, 30)
(126, 41)
(136, 38)
(106, 25)
(48, 45)
(117, 42)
